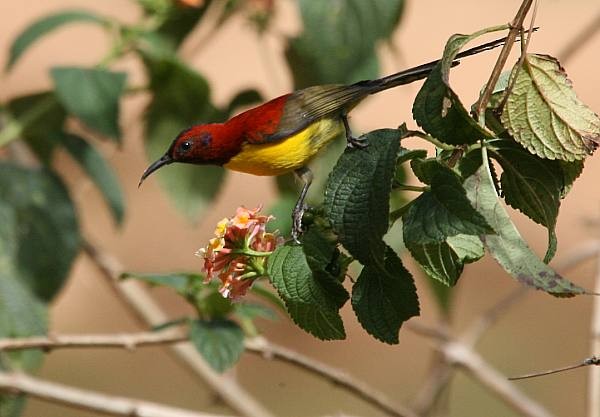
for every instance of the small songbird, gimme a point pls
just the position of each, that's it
(284, 134)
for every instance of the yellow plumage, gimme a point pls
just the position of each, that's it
(287, 154)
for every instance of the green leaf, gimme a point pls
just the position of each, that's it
(45, 25)
(443, 211)
(438, 109)
(545, 116)
(41, 236)
(214, 305)
(91, 94)
(181, 97)
(253, 311)
(468, 248)
(178, 282)
(339, 39)
(308, 301)
(12, 405)
(270, 297)
(438, 260)
(41, 116)
(39, 239)
(220, 342)
(383, 297)
(530, 184)
(358, 192)
(179, 21)
(98, 170)
(507, 246)
(570, 172)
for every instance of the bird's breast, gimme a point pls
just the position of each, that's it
(287, 154)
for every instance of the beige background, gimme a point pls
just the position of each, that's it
(541, 332)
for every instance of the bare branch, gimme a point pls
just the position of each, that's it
(336, 376)
(589, 361)
(256, 345)
(516, 27)
(18, 383)
(122, 340)
(149, 313)
(593, 399)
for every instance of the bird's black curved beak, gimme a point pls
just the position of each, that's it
(164, 160)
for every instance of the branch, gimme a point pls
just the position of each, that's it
(18, 383)
(594, 360)
(148, 312)
(457, 353)
(593, 399)
(336, 376)
(515, 27)
(123, 340)
(257, 346)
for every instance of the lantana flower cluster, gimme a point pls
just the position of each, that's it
(238, 252)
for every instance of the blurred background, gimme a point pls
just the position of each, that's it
(539, 332)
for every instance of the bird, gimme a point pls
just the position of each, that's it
(285, 133)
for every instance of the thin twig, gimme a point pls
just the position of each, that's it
(336, 376)
(579, 40)
(18, 383)
(589, 361)
(516, 26)
(148, 312)
(432, 389)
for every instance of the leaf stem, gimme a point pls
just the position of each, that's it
(430, 139)
(406, 187)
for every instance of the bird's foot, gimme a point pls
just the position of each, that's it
(357, 143)
(297, 227)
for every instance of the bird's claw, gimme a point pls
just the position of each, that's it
(357, 143)
(297, 228)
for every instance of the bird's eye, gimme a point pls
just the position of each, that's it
(185, 146)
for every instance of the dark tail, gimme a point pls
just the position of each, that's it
(422, 71)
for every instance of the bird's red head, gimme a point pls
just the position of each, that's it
(209, 144)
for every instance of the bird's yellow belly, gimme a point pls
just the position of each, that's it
(287, 154)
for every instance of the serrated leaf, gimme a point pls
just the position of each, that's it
(443, 211)
(530, 184)
(383, 297)
(181, 98)
(308, 302)
(98, 170)
(339, 39)
(92, 95)
(178, 282)
(220, 342)
(544, 114)
(12, 405)
(43, 26)
(41, 116)
(507, 246)
(438, 109)
(357, 195)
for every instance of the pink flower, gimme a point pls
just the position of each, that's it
(238, 252)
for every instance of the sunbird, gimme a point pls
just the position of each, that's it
(284, 134)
